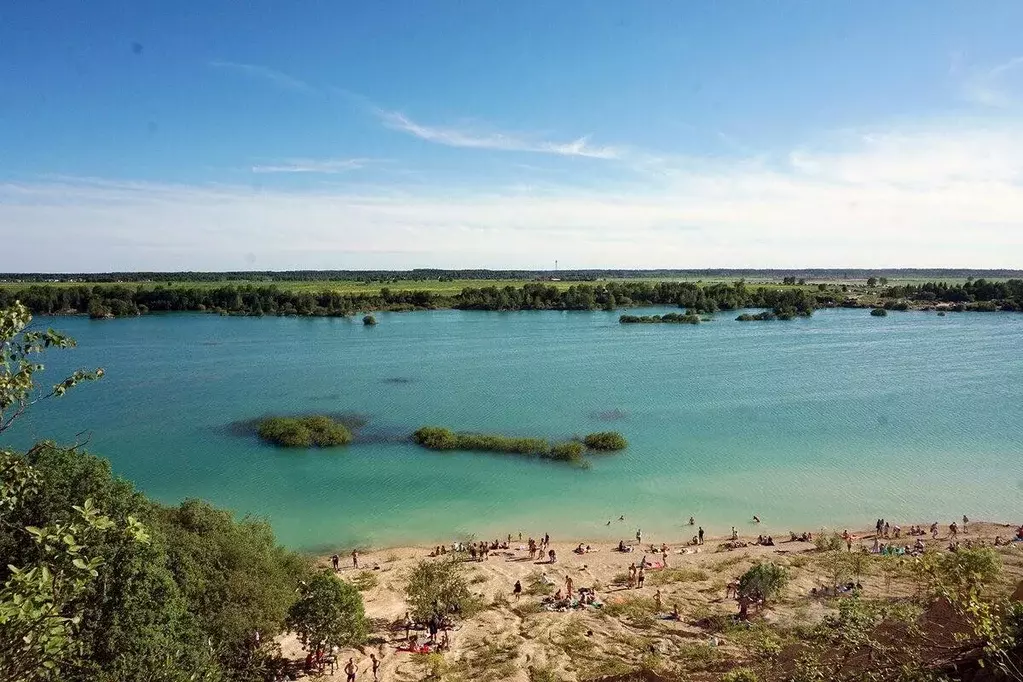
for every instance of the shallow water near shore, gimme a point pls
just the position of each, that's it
(833, 420)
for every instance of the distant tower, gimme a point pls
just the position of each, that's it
(555, 266)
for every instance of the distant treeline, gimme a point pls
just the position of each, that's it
(980, 294)
(122, 299)
(481, 274)
(119, 300)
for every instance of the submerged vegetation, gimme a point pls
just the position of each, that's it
(440, 438)
(765, 316)
(670, 318)
(605, 440)
(304, 432)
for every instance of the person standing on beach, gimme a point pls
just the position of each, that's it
(657, 601)
(408, 625)
(692, 521)
(700, 535)
(376, 665)
(517, 590)
(355, 558)
(351, 669)
(641, 577)
(639, 536)
(568, 586)
(735, 533)
(965, 521)
(335, 560)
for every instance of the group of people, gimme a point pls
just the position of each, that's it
(542, 548)
(335, 560)
(437, 627)
(320, 660)
(637, 574)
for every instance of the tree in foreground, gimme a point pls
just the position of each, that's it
(328, 613)
(439, 587)
(99, 583)
(18, 348)
(39, 609)
(759, 584)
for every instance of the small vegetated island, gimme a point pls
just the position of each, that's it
(782, 313)
(670, 318)
(440, 438)
(304, 432)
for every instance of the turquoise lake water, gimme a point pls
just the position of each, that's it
(834, 420)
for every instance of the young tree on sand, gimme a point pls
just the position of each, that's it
(439, 586)
(759, 584)
(329, 613)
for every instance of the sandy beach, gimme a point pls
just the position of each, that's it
(513, 636)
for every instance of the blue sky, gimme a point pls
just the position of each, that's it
(226, 135)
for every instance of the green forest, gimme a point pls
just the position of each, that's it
(116, 300)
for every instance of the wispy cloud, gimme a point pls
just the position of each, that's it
(278, 78)
(995, 87)
(511, 142)
(944, 194)
(326, 166)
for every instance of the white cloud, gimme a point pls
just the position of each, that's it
(511, 142)
(312, 166)
(929, 196)
(278, 78)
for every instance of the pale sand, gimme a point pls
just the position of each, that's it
(552, 639)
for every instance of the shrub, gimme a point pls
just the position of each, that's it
(879, 312)
(570, 451)
(435, 438)
(764, 316)
(439, 583)
(369, 320)
(304, 432)
(605, 440)
(740, 675)
(328, 613)
(828, 543)
(762, 582)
